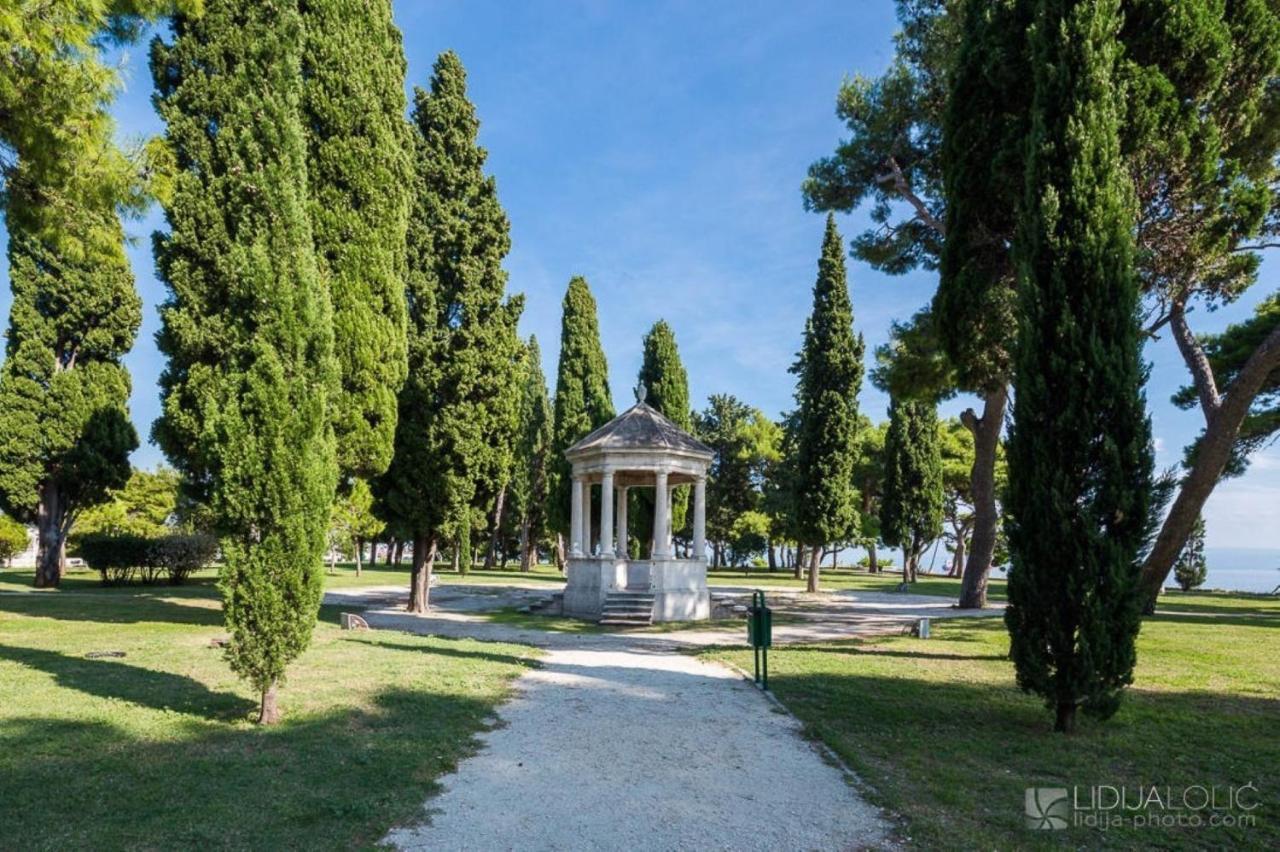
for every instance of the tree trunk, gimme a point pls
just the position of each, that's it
(773, 560)
(797, 567)
(424, 557)
(373, 553)
(815, 568)
(1224, 413)
(1065, 722)
(269, 712)
(873, 559)
(359, 547)
(957, 562)
(559, 554)
(525, 561)
(399, 555)
(495, 533)
(51, 540)
(391, 548)
(982, 485)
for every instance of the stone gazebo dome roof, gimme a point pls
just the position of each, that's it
(639, 428)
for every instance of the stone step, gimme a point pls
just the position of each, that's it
(627, 608)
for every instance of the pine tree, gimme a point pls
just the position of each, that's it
(358, 169)
(532, 458)
(247, 327)
(666, 385)
(911, 506)
(456, 409)
(829, 371)
(1080, 444)
(582, 401)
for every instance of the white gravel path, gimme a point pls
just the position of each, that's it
(621, 748)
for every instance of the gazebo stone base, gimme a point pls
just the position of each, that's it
(678, 586)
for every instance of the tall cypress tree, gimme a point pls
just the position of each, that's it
(829, 371)
(247, 327)
(911, 504)
(666, 385)
(982, 156)
(1080, 445)
(65, 435)
(582, 401)
(532, 457)
(455, 409)
(358, 170)
(63, 390)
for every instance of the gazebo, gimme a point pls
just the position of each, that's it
(639, 448)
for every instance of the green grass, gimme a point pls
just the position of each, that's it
(343, 577)
(844, 579)
(157, 749)
(943, 737)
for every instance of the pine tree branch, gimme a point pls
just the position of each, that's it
(895, 178)
(1197, 362)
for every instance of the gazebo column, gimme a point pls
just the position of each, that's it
(620, 540)
(661, 516)
(585, 501)
(606, 514)
(700, 518)
(575, 517)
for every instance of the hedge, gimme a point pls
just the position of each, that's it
(119, 557)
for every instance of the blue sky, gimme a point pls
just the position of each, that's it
(657, 148)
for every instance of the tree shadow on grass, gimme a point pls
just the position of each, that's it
(1233, 617)
(454, 651)
(153, 606)
(111, 679)
(955, 757)
(869, 651)
(337, 780)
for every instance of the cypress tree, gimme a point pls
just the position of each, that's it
(1190, 569)
(247, 327)
(911, 504)
(582, 400)
(666, 385)
(358, 170)
(829, 371)
(982, 156)
(533, 446)
(455, 409)
(65, 435)
(1080, 444)
(63, 390)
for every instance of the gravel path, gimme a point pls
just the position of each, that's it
(625, 748)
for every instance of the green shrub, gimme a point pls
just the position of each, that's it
(179, 555)
(13, 539)
(119, 557)
(116, 557)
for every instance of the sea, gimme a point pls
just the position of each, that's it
(1230, 569)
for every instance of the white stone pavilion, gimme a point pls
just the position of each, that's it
(639, 448)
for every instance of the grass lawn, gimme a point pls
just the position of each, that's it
(157, 750)
(944, 738)
(846, 578)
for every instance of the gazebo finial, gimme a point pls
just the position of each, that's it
(641, 392)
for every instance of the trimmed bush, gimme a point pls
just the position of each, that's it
(119, 557)
(179, 555)
(116, 557)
